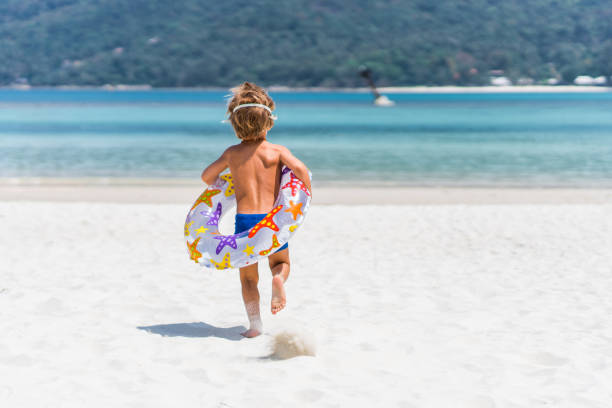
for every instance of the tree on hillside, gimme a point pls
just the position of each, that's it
(300, 43)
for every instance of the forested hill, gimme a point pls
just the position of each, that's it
(300, 42)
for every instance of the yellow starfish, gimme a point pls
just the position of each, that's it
(194, 254)
(295, 209)
(224, 264)
(230, 184)
(249, 250)
(187, 227)
(293, 228)
(201, 230)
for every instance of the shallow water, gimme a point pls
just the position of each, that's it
(426, 139)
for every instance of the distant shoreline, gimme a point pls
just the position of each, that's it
(110, 182)
(387, 90)
(323, 195)
(496, 89)
(27, 182)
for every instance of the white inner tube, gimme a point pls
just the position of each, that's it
(208, 247)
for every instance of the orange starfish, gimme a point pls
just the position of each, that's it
(205, 198)
(194, 254)
(275, 244)
(295, 209)
(267, 221)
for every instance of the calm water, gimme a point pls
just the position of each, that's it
(439, 139)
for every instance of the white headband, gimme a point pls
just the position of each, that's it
(255, 105)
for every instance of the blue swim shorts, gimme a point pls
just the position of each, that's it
(247, 221)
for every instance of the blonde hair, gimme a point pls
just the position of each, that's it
(250, 123)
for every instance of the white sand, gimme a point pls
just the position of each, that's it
(179, 191)
(411, 306)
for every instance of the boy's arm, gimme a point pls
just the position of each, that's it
(298, 168)
(210, 174)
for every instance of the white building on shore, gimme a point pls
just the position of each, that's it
(589, 80)
(500, 81)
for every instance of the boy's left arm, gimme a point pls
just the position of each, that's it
(210, 174)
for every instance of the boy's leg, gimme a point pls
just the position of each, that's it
(279, 265)
(249, 277)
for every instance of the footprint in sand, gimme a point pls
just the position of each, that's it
(20, 360)
(310, 395)
(367, 347)
(51, 306)
(548, 359)
(199, 375)
(461, 401)
(5, 392)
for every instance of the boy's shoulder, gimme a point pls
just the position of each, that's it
(273, 146)
(263, 146)
(276, 147)
(237, 148)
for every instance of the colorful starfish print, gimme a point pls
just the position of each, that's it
(267, 221)
(275, 244)
(285, 170)
(293, 228)
(194, 254)
(230, 184)
(295, 209)
(249, 250)
(296, 183)
(205, 198)
(189, 224)
(201, 230)
(214, 218)
(224, 264)
(225, 240)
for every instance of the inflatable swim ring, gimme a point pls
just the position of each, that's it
(208, 247)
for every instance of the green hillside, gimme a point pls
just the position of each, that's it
(300, 43)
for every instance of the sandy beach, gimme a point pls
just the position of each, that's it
(462, 304)
(184, 191)
(456, 253)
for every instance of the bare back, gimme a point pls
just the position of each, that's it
(256, 168)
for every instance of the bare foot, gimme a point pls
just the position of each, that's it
(279, 299)
(251, 333)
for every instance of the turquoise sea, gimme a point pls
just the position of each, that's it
(557, 139)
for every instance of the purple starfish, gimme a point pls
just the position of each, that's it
(226, 240)
(214, 218)
(285, 170)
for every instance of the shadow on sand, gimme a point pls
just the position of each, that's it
(196, 329)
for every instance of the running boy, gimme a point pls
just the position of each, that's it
(256, 168)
